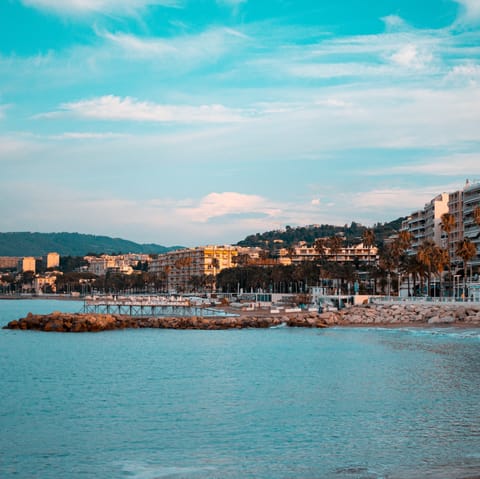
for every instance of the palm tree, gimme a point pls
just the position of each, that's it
(466, 250)
(320, 247)
(398, 248)
(448, 223)
(404, 240)
(441, 259)
(334, 244)
(425, 255)
(476, 214)
(368, 238)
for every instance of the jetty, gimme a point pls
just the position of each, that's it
(148, 306)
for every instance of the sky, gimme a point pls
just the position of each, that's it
(198, 122)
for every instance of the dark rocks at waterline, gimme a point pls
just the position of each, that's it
(80, 322)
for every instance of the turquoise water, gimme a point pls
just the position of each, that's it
(264, 404)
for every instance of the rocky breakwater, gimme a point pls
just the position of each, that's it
(406, 314)
(78, 323)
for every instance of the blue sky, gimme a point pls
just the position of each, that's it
(201, 121)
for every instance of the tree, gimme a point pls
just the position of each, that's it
(476, 214)
(441, 259)
(466, 250)
(448, 224)
(320, 247)
(368, 238)
(425, 255)
(334, 244)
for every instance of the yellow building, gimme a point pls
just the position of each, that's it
(27, 263)
(53, 260)
(186, 268)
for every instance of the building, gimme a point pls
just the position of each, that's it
(104, 264)
(28, 263)
(426, 224)
(471, 228)
(52, 260)
(45, 283)
(9, 262)
(183, 267)
(433, 212)
(451, 240)
(346, 254)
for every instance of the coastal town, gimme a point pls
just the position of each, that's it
(435, 253)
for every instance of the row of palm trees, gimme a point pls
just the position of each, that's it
(431, 259)
(431, 262)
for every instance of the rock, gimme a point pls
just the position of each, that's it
(441, 320)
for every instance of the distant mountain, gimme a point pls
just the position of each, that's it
(71, 244)
(290, 236)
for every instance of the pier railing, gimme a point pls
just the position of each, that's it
(148, 306)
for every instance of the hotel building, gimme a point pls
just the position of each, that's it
(182, 265)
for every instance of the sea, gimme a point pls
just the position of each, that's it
(281, 403)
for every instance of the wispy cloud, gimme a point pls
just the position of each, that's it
(82, 7)
(190, 49)
(458, 164)
(116, 108)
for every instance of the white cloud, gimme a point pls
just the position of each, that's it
(228, 203)
(115, 108)
(471, 11)
(394, 23)
(75, 7)
(409, 56)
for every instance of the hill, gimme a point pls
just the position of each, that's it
(290, 236)
(71, 244)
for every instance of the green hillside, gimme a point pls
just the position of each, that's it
(290, 236)
(71, 244)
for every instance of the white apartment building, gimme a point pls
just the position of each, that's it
(427, 223)
(455, 207)
(106, 263)
(471, 230)
(346, 254)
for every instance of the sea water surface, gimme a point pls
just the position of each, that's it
(339, 403)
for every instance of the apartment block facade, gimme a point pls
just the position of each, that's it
(471, 229)
(426, 224)
(346, 254)
(181, 266)
(52, 260)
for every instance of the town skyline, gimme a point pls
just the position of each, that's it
(187, 122)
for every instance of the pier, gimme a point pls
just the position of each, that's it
(141, 306)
